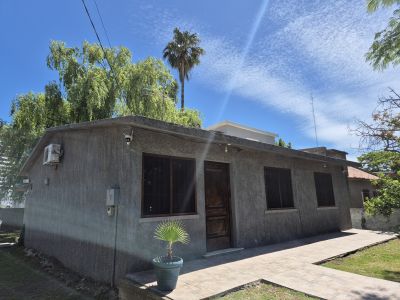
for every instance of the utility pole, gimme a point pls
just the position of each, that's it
(315, 124)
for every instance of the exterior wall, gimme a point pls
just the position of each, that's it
(356, 187)
(12, 217)
(67, 218)
(377, 222)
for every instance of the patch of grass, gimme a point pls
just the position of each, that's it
(20, 281)
(381, 261)
(266, 291)
(10, 236)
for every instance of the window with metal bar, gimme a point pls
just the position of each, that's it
(324, 189)
(168, 186)
(278, 188)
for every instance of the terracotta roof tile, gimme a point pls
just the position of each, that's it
(360, 174)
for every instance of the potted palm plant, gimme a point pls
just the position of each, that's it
(167, 267)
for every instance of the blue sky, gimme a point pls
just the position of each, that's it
(264, 58)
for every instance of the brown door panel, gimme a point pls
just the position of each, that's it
(217, 226)
(217, 194)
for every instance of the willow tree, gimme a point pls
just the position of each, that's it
(92, 84)
(183, 53)
(90, 78)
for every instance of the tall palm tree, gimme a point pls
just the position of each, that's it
(183, 53)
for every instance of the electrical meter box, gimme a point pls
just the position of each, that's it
(112, 197)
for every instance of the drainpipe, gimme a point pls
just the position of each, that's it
(115, 246)
(112, 203)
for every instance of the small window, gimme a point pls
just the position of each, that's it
(365, 194)
(168, 186)
(278, 188)
(375, 193)
(324, 189)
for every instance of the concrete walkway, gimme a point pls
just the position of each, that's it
(290, 264)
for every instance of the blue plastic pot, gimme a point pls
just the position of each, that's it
(167, 272)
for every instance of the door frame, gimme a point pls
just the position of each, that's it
(232, 240)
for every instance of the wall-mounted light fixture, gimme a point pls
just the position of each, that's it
(128, 137)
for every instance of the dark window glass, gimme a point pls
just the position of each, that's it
(324, 189)
(168, 186)
(183, 179)
(365, 194)
(278, 187)
(156, 185)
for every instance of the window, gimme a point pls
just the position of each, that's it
(168, 186)
(324, 189)
(375, 193)
(365, 194)
(278, 188)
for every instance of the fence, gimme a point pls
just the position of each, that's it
(12, 217)
(377, 222)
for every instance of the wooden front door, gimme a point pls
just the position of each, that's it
(217, 196)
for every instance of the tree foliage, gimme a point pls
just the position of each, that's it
(380, 162)
(381, 138)
(183, 53)
(386, 46)
(31, 115)
(87, 89)
(383, 132)
(388, 197)
(386, 165)
(282, 143)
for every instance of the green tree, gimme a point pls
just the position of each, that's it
(386, 46)
(386, 164)
(381, 162)
(183, 53)
(90, 85)
(381, 136)
(87, 89)
(31, 115)
(282, 143)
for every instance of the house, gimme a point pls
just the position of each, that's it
(361, 188)
(98, 190)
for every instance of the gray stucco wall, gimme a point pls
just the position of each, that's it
(378, 222)
(12, 217)
(67, 218)
(356, 187)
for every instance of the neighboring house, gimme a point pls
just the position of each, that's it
(96, 210)
(361, 188)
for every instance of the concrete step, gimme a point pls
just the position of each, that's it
(222, 252)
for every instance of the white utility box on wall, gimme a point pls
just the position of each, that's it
(52, 154)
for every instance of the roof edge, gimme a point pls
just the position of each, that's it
(237, 125)
(179, 130)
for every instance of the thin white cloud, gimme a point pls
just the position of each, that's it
(301, 48)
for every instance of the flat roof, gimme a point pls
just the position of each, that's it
(178, 130)
(237, 125)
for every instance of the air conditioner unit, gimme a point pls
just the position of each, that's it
(52, 154)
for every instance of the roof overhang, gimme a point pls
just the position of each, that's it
(240, 126)
(181, 131)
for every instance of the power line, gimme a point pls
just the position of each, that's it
(100, 43)
(102, 23)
